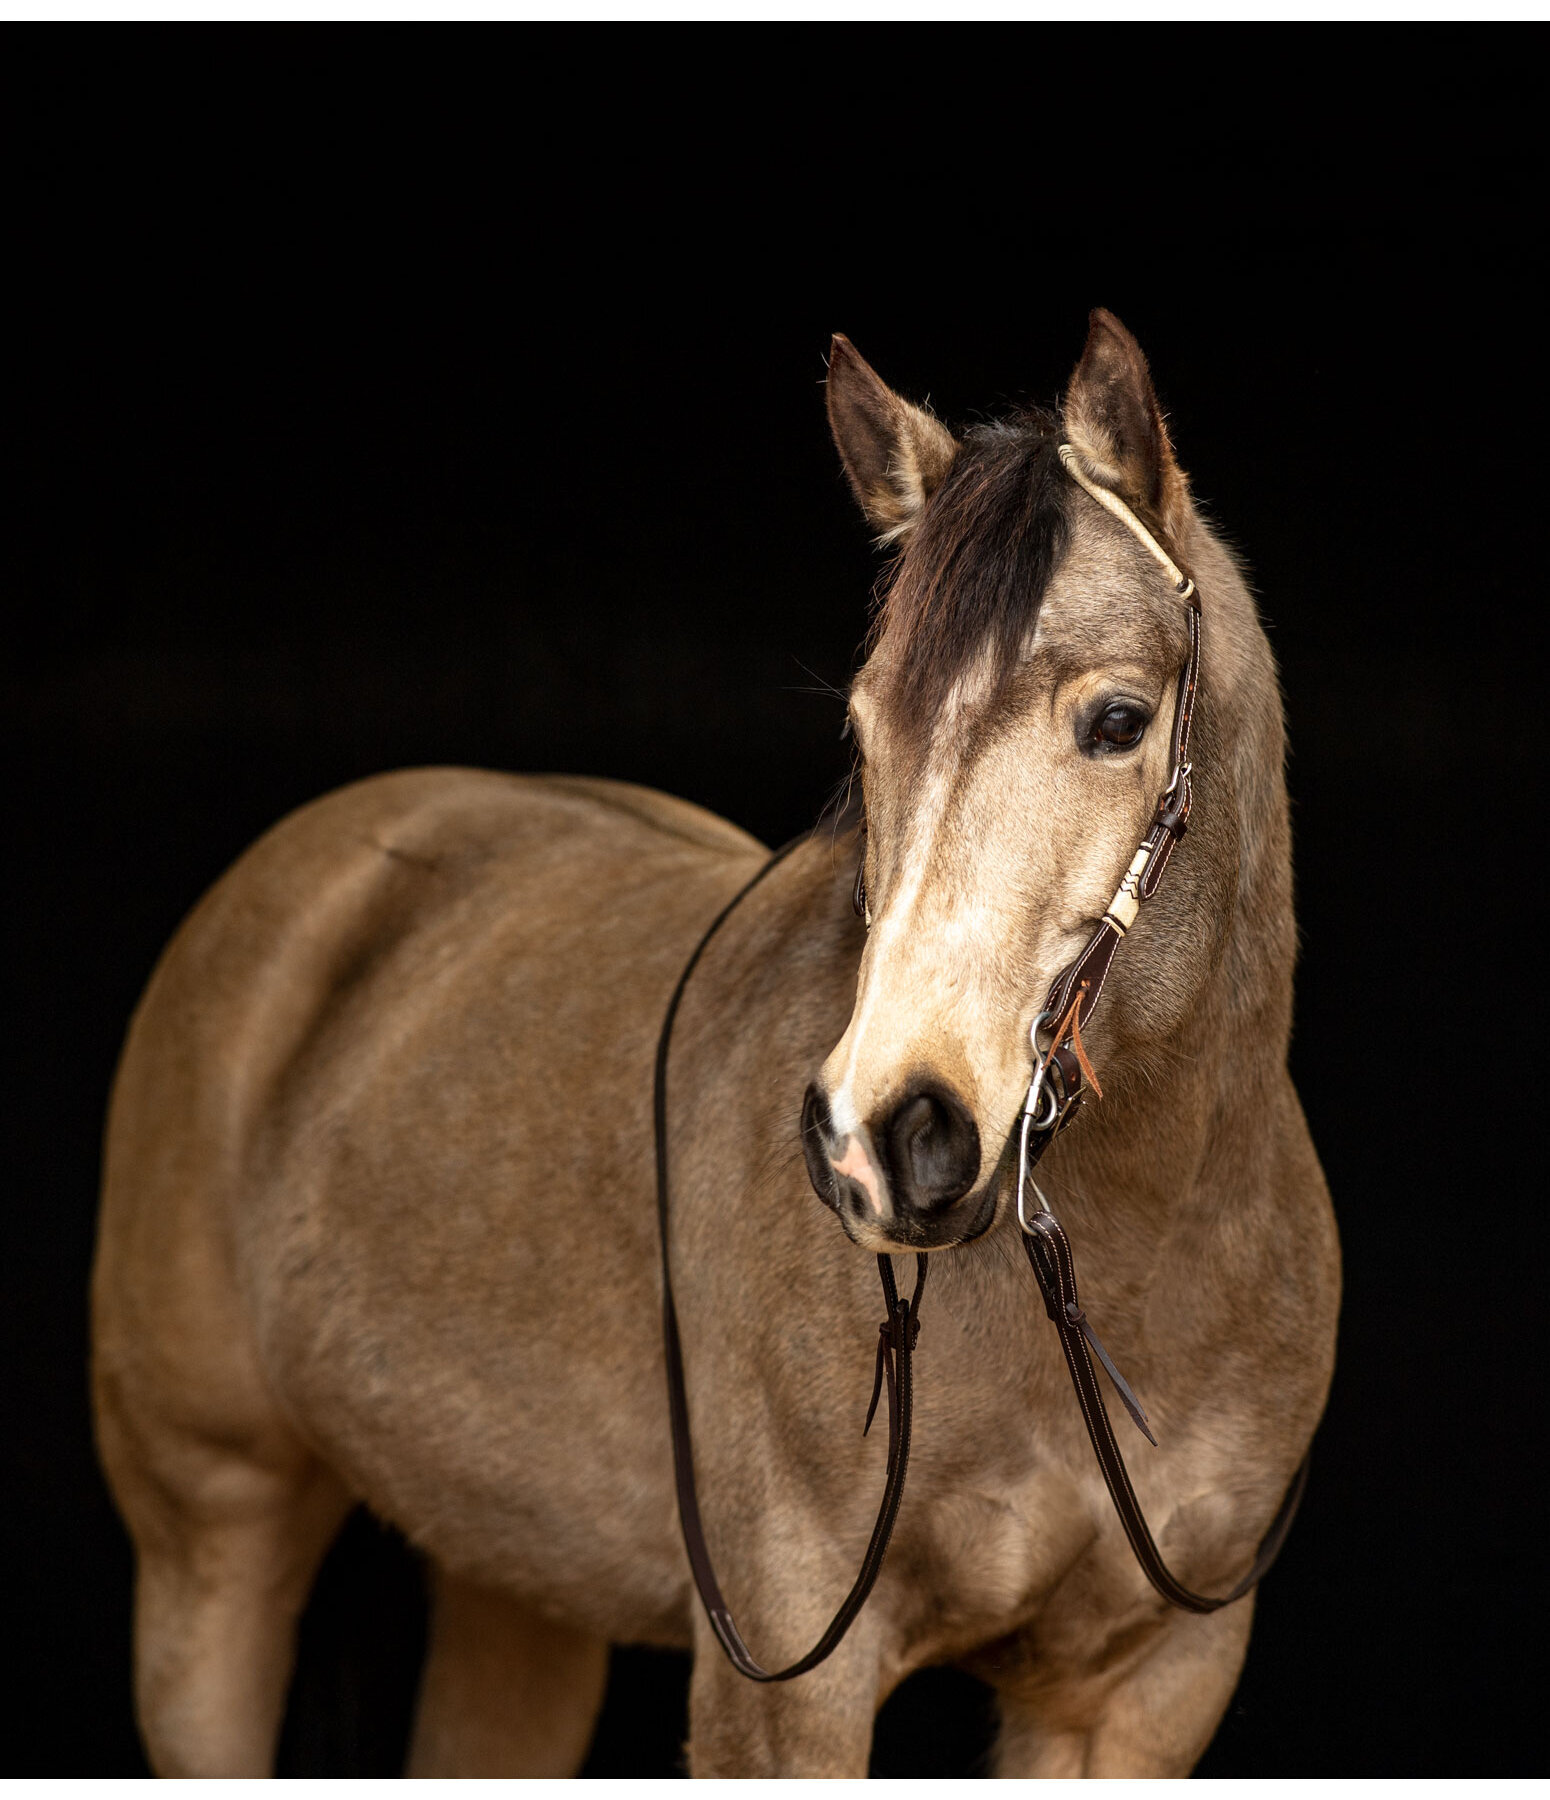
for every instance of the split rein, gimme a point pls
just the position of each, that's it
(1061, 1076)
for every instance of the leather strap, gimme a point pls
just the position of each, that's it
(895, 1351)
(1072, 997)
(1083, 980)
(1049, 1250)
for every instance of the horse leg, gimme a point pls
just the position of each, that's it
(226, 1547)
(1153, 1716)
(818, 1725)
(505, 1692)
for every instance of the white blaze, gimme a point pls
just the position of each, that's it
(892, 930)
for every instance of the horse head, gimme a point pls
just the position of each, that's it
(1012, 722)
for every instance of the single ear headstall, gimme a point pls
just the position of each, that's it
(1061, 1076)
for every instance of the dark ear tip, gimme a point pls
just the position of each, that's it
(1101, 323)
(841, 349)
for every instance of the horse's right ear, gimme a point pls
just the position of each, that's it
(895, 454)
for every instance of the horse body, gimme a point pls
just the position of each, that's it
(379, 1224)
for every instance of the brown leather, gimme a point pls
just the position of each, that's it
(895, 1353)
(1065, 1001)
(1070, 1029)
(1091, 967)
(1049, 1250)
(1072, 997)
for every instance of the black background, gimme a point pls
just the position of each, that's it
(376, 401)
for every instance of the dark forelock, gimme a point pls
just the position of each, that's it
(977, 566)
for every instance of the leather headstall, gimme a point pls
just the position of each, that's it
(1061, 1077)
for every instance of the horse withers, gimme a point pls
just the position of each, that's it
(378, 1218)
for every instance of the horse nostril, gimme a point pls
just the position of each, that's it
(933, 1149)
(816, 1125)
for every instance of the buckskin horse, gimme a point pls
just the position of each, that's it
(378, 1220)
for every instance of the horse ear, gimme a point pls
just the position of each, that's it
(895, 454)
(1112, 417)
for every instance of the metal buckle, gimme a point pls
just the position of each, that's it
(1182, 772)
(1173, 801)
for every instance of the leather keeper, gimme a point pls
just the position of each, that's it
(1176, 819)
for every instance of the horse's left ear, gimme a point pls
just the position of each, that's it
(895, 454)
(1112, 417)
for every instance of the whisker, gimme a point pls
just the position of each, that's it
(825, 686)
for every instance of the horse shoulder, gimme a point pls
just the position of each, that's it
(384, 1103)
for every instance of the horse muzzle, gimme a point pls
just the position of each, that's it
(906, 1177)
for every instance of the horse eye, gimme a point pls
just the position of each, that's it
(858, 899)
(1117, 727)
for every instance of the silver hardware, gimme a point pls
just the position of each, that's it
(1041, 1110)
(1036, 1086)
(1025, 1181)
(1181, 773)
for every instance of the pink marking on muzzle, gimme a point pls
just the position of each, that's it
(858, 1166)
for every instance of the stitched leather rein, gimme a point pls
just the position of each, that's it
(1061, 1075)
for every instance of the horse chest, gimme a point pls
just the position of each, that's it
(987, 1560)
